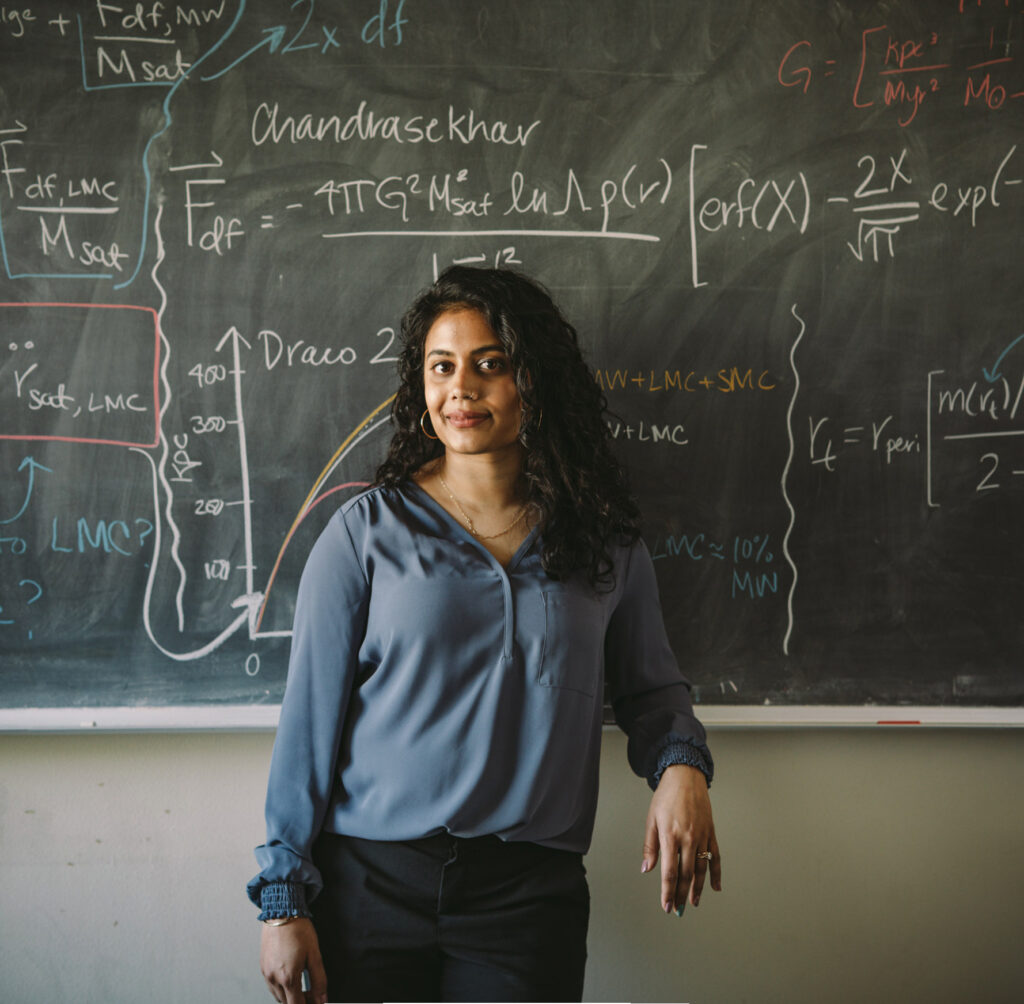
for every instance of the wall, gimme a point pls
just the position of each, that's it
(859, 865)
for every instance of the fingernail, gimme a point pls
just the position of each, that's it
(680, 909)
(668, 908)
(696, 900)
(645, 867)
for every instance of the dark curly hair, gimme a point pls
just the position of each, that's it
(573, 479)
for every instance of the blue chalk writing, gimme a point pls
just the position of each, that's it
(32, 466)
(374, 29)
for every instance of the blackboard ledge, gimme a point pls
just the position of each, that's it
(169, 718)
(263, 717)
(856, 716)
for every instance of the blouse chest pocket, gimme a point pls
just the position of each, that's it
(573, 649)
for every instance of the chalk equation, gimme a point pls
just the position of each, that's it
(883, 201)
(904, 72)
(964, 441)
(118, 40)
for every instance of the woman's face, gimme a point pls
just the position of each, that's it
(469, 385)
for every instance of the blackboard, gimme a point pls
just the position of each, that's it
(788, 233)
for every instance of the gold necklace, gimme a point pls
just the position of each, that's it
(469, 522)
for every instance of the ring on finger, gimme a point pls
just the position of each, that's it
(705, 856)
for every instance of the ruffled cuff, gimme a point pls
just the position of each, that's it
(283, 899)
(681, 751)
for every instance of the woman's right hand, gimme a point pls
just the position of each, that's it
(285, 951)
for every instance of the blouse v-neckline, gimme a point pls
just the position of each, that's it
(436, 506)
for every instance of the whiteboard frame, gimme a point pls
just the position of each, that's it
(263, 717)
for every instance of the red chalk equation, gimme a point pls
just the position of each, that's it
(905, 72)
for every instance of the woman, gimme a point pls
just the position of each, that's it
(434, 779)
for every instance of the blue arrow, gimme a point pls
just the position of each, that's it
(993, 375)
(275, 36)
(167, 125)
(32, 465)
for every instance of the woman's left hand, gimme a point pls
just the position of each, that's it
(681, 830)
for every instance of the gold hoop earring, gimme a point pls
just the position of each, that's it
(426, 411)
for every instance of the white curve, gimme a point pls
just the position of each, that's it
(785, 476)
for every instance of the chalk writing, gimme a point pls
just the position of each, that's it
(644, 432)
(456, 126)
(882, 199)
(906, 73)
(745, 557)
(119, 406)
(727, 380)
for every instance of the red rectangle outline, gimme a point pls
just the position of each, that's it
(156, 378)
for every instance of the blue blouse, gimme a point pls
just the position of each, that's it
(430, 689)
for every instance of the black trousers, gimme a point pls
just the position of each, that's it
(451, 919)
